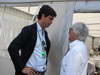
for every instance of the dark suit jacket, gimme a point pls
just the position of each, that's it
(24, 42)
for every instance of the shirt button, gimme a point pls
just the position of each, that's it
(43, 68)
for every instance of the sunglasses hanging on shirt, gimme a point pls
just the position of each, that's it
(43, 43)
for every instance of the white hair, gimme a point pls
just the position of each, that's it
(81, 30)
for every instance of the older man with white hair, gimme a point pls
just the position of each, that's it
(75, 61)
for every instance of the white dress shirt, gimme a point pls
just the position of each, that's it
(76, 60)
(36, 61)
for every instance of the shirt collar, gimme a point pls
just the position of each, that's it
(73, 43)
(39, 27)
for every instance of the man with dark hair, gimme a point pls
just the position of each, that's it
(29, 50)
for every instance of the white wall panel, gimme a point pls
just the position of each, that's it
(58, 33)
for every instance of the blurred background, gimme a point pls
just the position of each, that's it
(16, 14)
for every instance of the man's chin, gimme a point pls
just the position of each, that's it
(47, 25)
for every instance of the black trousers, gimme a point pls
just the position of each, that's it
(19, 73)
(37, 73)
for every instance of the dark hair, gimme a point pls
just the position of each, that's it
(46, 10)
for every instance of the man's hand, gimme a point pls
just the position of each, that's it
(28, 71)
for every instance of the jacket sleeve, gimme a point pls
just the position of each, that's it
(17, 45)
